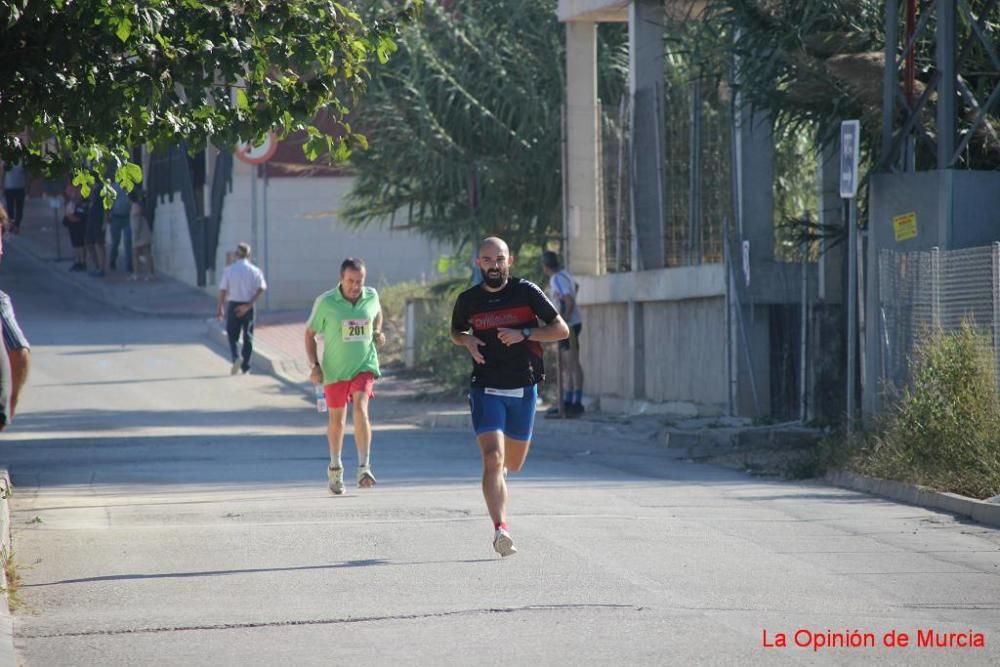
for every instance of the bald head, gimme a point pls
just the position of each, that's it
(495, 244)
(494, 262)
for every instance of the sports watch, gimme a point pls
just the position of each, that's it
(526, 332)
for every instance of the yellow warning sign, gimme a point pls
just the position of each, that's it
(904, 226)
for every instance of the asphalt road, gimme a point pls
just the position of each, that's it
(166, 513)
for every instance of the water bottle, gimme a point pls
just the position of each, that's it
(320, 398)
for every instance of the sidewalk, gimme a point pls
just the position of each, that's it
(45, 239)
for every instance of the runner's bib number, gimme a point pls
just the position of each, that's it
(508, 393)
(355, 331)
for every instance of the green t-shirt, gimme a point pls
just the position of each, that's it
(347, 329)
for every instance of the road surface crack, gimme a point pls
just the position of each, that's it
(333, 621)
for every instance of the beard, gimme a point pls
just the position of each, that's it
(496, 279)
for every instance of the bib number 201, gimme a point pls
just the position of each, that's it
(356, 330)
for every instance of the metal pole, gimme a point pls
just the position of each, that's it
(936, 288)
(635, 260)
(946, 108)
(694, 181)
(619, 182)
(852, 315)
(564, 158)
(660, 160)
(889, 76)
(253, 207)
(267, 236)
(803, 329)
(726, 262)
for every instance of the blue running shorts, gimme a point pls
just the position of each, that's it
(511, 411)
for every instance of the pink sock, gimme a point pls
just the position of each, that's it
(498, 526)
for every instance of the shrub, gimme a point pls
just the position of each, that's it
(945, 430)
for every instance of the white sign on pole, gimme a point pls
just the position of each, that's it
(850, 148)
(258, 153)
(746, 262)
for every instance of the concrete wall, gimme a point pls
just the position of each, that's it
(299, 226)
(685, 344)
(172, 242)
(604, 350)
(656, 337)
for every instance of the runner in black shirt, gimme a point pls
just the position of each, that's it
(497, 322)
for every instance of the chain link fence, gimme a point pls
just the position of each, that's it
(934, 290)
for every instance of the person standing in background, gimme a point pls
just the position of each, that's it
(121, 227)
(94, 234)
(75, 222)
(15, 183)
(142, 235)
(562, 291)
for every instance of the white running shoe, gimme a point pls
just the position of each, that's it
(235, 368)
(366, 479)
(503, 543)
(336, 478)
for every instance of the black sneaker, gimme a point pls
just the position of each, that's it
(574, 409)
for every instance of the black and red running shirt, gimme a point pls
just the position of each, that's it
(519, 304)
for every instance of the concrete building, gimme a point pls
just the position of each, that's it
(695, 339)
(295, 227)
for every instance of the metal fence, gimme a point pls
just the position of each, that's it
(697, 190)
(935, 290)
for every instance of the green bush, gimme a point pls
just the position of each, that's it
(448, 363)
(945, 430)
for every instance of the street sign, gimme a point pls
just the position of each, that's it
(259, 153)
(850, 147)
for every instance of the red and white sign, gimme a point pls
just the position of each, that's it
(260, 153)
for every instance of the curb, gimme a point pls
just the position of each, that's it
(294, 374)
(263, 361)
(979, 511)
(702, 444)
(7, 656)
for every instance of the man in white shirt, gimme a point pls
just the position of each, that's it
(241, 285)
(562, 290)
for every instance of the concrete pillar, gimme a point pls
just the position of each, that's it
(754, 156)
(755, 184)
(645, 29)
(832, 264)
(827, 347)
(583, 209)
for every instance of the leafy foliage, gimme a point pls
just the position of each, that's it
(466, 124)
(84, 81)
(945, 431)
(818, 62)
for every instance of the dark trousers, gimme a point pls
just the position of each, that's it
(121, 226)
(236, 325)
(15, 205)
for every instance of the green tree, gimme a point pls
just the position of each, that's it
(818, 62)
(84, 81)
(465, 123)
